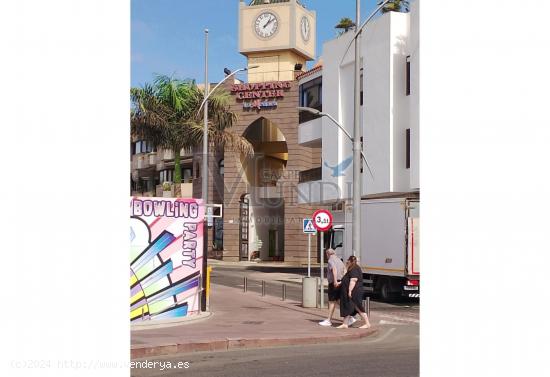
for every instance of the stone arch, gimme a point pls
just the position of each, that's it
(270, 158)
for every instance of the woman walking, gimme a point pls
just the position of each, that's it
(351, 294)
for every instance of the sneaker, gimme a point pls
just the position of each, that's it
(326, 322)
(351, 321)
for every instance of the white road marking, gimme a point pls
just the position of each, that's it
(383, 322)
(396, 318)
(382, 337)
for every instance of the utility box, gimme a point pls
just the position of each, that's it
(309, 292)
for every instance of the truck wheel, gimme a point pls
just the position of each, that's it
(385, 290)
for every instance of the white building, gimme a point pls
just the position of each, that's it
(389, 112)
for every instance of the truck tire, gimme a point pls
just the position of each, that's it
(385, 290)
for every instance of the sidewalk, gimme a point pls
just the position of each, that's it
(243, 320)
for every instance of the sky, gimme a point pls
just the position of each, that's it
(167, 36)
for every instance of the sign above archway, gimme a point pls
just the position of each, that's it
(260, 95)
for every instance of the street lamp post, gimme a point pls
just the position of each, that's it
(356, 214)
(204, 183)
(204, 186)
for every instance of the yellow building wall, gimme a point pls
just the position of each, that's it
(309, 46)
(273, 66)
(248, 37)
(276, 56)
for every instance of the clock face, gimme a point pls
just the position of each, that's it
(266, 25)
(305, 28)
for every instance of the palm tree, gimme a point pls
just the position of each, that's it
(166, 114)
(345, 24)
(395, 6)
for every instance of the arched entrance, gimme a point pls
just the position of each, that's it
(263, 171)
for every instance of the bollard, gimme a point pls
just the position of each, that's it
(366, 306)
(142, 313)
(245, 284)
(263, 288)
(284, 292)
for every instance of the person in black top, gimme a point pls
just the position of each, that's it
(351, 294)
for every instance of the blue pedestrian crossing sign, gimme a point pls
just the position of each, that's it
(308, 227)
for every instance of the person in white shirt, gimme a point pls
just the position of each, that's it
(335, 271)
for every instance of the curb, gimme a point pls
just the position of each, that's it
(227, 344)
(151, 325)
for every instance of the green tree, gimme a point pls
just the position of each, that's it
(395, 6)
(166, 113)
(345, 25)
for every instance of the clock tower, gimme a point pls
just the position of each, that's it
(276, 35)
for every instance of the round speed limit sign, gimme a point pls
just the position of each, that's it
(322, 220)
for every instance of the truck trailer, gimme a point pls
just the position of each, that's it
(390, 254)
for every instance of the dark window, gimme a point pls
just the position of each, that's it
(186, 174)
(166, 175)
(408, 90)
(408, 149)
(309, 175)
(218, 233)
(311, 95)
(142, 146)
(361, 88)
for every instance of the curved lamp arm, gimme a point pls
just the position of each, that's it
(322, 114)
(221, 82)
(360, 29)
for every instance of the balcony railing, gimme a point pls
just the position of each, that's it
(309, 175)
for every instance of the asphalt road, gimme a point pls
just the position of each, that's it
(392, 352)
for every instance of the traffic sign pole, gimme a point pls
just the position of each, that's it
(322, 272)
(309, 255)
(322, 221)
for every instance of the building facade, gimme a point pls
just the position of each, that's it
(389, 99)
(262, 217)
(301, 161)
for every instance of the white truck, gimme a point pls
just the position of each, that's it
(389, 255)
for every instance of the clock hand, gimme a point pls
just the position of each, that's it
(268, 22)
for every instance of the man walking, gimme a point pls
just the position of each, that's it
(335, 272)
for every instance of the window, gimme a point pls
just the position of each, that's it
(408, 149)
(187, 175)
(408, 89)
(337, 239)
(218, 233)
(142, 146)
(361, 88)
(221, 167)
(166, 175)
(311, 96)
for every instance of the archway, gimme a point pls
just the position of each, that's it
(266, 166)
(263, 171)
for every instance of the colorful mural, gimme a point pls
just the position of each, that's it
(166, 250)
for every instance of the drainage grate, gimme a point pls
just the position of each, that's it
(252, 322)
